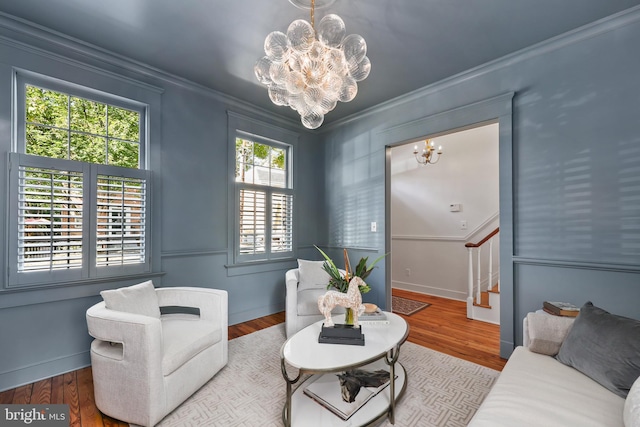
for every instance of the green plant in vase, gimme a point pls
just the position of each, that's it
(340, 281)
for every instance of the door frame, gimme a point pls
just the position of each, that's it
(497, 109)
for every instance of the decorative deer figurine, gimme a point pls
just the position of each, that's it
(351, 299)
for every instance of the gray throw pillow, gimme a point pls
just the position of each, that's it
(604, 347)
(136, 299)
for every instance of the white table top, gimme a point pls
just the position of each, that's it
(303, 351)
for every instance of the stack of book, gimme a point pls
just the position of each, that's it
(374, 318)
(560, 308)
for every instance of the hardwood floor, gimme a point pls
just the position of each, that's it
(443, 327)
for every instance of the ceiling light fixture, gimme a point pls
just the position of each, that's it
(427, 156)
(310, 69)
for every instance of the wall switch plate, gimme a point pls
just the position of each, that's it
(407, 272)
(374, 227)
(463, 224)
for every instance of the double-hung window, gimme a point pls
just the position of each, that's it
(79, 190)
(264, 197)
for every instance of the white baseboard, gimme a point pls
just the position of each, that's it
(429, 290)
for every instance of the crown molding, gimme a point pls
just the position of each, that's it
(593, 29)
(26, 29)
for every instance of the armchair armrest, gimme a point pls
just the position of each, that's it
(118, 326)
(292, 277)
(291, 290)
(544, 333)
(139, 335)
(212, 303)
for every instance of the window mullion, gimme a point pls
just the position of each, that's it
(268, 221)
(68, 126)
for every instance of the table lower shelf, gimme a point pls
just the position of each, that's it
(306, 412)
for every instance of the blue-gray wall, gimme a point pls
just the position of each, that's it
(43, 331)
(570, 186)
(569, 167)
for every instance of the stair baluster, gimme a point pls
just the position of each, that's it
(477, 298)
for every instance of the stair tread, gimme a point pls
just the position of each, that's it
(481, 305)
(494, 290)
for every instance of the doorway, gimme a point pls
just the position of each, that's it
(497, 109)
(436, 208)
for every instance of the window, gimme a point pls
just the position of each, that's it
(78, 187)
(265, 199)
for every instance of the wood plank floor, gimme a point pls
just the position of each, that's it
(443, 327)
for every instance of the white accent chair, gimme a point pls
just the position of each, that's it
(146, 364)
(303, 287)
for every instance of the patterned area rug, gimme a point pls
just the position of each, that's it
(249, 391)
(407, 306)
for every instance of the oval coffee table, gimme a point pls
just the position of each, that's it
(382, 348)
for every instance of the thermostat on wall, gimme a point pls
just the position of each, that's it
(455, 207)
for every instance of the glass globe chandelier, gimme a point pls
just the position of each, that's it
(311, 68)
(428, 154)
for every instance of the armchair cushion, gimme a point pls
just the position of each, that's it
(312, 275)
(136, 299)
(183, 338)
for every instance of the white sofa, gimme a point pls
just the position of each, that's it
(536, 389)
(146, 363)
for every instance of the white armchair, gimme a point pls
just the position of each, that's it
(146, 364)
(303, 287)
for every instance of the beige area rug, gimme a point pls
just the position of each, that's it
(250, 391)
(407, 307)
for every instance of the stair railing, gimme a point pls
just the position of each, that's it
(470, 247)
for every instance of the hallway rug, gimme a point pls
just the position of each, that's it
(407, 306)
(250, 391)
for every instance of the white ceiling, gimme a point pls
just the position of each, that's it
(411, 43)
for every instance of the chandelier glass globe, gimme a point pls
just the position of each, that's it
(311, 68)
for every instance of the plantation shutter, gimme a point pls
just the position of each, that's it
(50, 219)
(253, 222)
(281, 222)
(121, 220)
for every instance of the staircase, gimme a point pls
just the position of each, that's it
(483, 305)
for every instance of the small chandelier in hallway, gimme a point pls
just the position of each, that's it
(429, 154)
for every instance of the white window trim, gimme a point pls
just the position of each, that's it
(247, 128)
(89, 270)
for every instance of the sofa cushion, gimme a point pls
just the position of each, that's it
(604, 347)
(312, 275)
(535, 390)
(308, 302)
(183, 337)
(547, 332)
(631, 412)
(136, 299)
